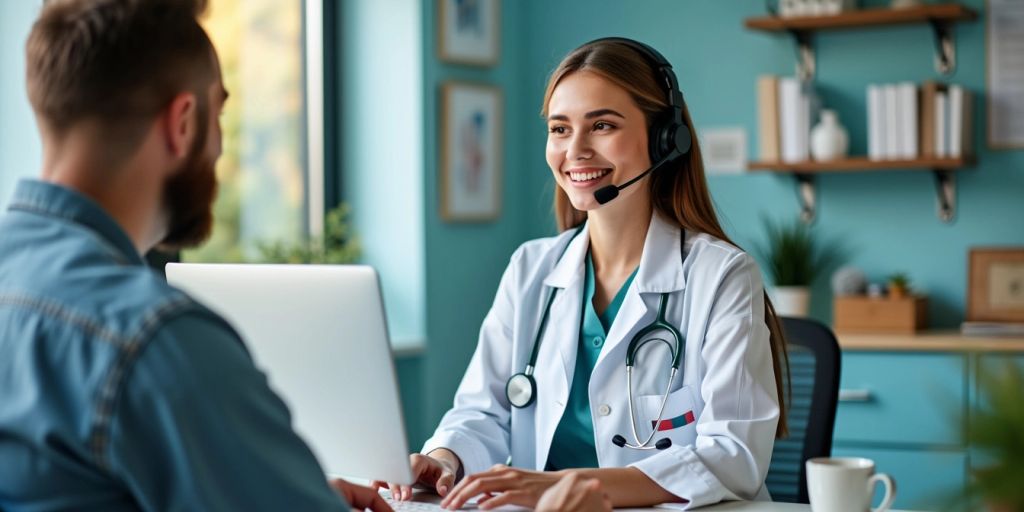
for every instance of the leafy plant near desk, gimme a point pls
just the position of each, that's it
(794, 255)
(997, 431)
(337, 245)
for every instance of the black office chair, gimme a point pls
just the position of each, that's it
(814, 374)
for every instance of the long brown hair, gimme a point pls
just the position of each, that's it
(681, 195)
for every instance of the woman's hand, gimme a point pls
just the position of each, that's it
(436, 470)
(575, 493)
(359, 497)
(502, 485)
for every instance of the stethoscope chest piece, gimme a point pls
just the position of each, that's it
(521, 389)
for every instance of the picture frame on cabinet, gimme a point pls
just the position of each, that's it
(995, 291)
(469, 31)
(471, 151)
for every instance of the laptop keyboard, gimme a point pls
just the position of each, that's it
(411, 506)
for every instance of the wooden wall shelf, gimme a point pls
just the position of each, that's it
(860, 164)
(941, 17)
(865, 18)
(941, 168)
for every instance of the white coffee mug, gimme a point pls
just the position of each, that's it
(846, 485)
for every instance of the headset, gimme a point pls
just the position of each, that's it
(669, 137)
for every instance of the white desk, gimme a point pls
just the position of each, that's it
(732, 506)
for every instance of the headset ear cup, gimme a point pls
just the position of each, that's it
(659, 141)
(682, 139)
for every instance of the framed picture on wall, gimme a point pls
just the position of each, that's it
(996, 285)
(469, 31)
(471, 151)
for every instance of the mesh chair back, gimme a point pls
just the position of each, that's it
(814, 380)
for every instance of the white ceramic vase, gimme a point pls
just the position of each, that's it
(791, 300)
(829, 140)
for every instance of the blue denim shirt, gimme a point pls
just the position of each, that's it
(119, 392)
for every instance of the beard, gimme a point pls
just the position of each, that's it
(189, 194)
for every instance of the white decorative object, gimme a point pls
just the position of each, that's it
(905, 4)
(849, 281)
(788, 8)
(791, 300)
(724, 150)
(829, 140)
(833, 7)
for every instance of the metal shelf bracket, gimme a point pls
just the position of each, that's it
(806, 196)
(805, 58)
(945, 188)
(945, 47)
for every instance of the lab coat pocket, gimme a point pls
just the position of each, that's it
(677, 420)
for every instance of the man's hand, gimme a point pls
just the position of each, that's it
(359, 497)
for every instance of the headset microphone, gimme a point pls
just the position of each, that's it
(605, 194)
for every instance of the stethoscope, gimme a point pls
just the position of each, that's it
(521, 388)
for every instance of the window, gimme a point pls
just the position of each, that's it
(264, 172)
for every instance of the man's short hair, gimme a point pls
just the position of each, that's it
(115, 62)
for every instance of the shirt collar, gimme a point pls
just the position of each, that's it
(51, 200)
(661, 264)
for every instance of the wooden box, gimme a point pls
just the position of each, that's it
(861, 314)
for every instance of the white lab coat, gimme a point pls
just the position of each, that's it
(716, 302)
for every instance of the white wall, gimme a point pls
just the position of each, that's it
(20, 149)
(382, 151)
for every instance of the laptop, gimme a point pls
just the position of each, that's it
(319, 333)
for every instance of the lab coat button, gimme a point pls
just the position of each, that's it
(604, 410)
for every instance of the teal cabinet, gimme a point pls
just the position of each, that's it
(906, 398)
(906, 410)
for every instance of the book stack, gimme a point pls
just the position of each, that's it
(906, 121)
(784, 119)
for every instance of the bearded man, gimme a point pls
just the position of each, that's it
(117, 391)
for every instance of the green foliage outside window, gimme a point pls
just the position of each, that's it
(337, 245)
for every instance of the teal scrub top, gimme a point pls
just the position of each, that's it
(573, 443)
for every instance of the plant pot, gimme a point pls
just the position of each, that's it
(897, 292)
(791, 300)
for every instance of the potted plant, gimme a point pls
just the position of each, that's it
(898, 285)
(794, 258)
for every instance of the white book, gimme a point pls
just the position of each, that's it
(941, 120)
(876, 126)
(956, 120)
(892, 131)
(908, 121)
(793, 122)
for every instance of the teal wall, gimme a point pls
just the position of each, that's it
(465, 260)
(887, 220)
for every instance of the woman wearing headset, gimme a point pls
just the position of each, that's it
(637, 348)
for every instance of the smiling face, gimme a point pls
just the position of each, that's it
(597, 136)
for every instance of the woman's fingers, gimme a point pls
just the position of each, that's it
(475, 485)
(521, 498)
